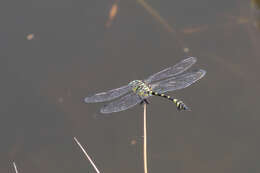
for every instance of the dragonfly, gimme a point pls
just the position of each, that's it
(137, 91)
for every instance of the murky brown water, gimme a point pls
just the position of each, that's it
(54, 53)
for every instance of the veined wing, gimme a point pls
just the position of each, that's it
(172, 71)
(121, 104)
(178, 82)
(109, 95)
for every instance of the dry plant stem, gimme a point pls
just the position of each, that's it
(92, 163)
(145, 141)
(15, 168)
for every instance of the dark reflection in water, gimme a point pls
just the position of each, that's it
(53, 53)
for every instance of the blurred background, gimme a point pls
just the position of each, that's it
(53, 53)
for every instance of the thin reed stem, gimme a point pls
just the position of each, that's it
(145, 141)
(84, 151)
(15, 168)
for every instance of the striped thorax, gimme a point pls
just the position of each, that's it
(141, 88)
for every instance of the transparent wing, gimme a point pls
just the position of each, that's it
(172, 71)
(109, 95)
(178, 82)
(121, 104)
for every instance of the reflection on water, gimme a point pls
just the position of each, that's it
(255, 8)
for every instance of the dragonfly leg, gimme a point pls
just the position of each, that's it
(144, 101)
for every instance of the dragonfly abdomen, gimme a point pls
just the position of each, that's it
(180, 105)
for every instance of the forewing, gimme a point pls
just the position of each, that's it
(172, 71)
(121, 104)
(109, 95)
(178, 82)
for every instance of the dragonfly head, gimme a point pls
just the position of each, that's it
(135, 84)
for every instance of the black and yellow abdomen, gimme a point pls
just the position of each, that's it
(180, 105)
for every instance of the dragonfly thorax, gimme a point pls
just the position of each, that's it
(141, 88)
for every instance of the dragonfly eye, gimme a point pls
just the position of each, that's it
(131, 83)
(134, 83)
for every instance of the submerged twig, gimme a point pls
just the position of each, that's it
(92, 163)
(112, 13)
(145, 141)
(156, 15)
(15, 168)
